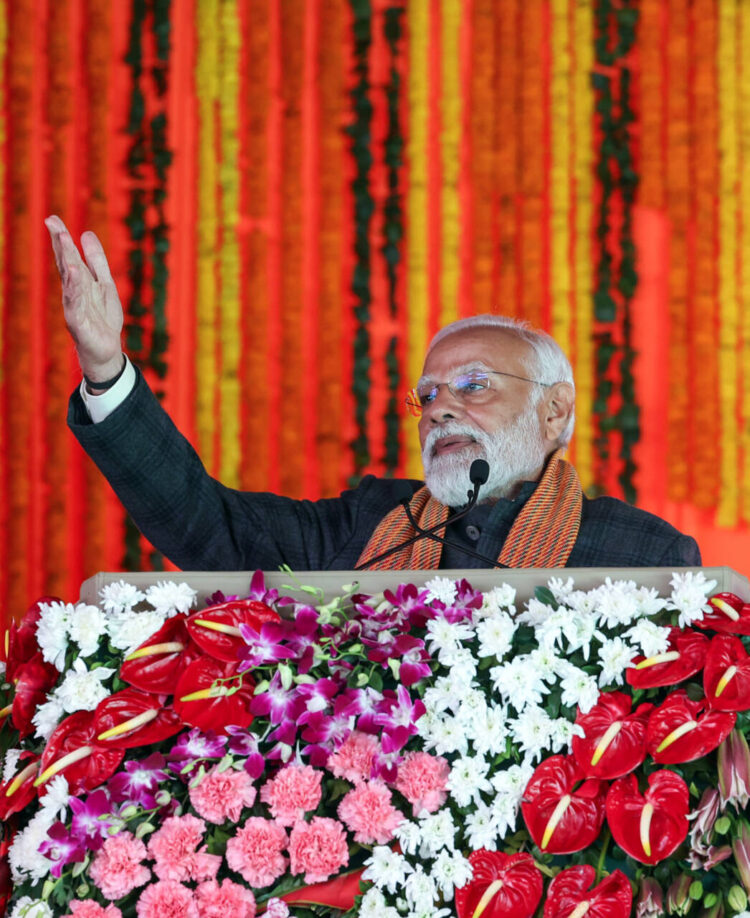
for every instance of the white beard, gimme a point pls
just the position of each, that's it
(514, 454)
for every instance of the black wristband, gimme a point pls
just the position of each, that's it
(107, 384)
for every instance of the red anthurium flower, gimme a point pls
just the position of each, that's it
(728, 614)
(503, 886)
(21, 638)
(134, 718)
(212, 695)
(569, 895)
(726, 675)
(34, 679)
(18, 791)
(684, 657)
(73, 751)
(614, 740)
(562, 809)
(216, 630)
(653, 825)
(679, 732)
(158, 663)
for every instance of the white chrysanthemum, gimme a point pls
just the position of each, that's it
(55, 800)
(88, 624)
(445, 637)
(505, 814)
(480, 828)
(438, 831)
(420, 890)
(451, 870)
(26, 863)
(615, 655)
(582, 601)
(535, 613)
(497, 599)
(128, 630)
(491, 733)
(518, 683)
(580, 630)
(2, 671)
(47, 716)
(579, 689)
(472, 711)
(441, 588)
(617, 608)
(52, 631)
(511, 781)
(549, 666)
(82, 689)
(441, 696)
(562, 733)
(561, 591)
(386, 869)
(373, 905)
(10, 764)
(468, 779)
(463, 668)
(532, 731)
(649, 636)
(426, 912)
(26, 907)
(120, 596)
(690, 596)
(495, 635)
(549, 633)
(169, 598)
(445, 735)
(648, 601)
(409, 835)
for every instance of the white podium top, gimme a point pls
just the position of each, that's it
(524, 580)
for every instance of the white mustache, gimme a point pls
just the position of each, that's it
(451, 429)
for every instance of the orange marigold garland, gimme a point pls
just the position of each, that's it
(743, 63)
(508, 115)
(704, 435)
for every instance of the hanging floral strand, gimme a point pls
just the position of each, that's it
(616, 276)
(393, 231)
(359, 133)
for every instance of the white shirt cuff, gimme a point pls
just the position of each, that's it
(101, 406)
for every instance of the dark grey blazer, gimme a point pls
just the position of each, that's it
(200, 524)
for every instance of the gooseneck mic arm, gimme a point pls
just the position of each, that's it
(478, 474)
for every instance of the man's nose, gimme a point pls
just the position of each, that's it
(444, 407)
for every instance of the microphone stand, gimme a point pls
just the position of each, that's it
(429, 534)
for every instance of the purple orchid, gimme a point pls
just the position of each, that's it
(327, 730)
(218, 599)
(361, 703)
(411, 602)
(258, 589)
(244, 743)
(414, 659)
(277, 703)
(303, 639)
(466, 601)
(61, 848)
(92, 818)
(191, 747)
(398, 716)
(139, 782)
(317, 697)
(264, 646)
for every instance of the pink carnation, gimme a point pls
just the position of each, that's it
(117, 868)
(255, 851)
(354, 758)
(167, 899)
(80, 908)
(423, 780)
(368, 812)
(175, 849)
(223, 795)
(276, 908)
(293, 792)
(230, 898)
(318, 849)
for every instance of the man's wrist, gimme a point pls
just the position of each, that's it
(104, 378)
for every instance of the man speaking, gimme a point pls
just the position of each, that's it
(491, 389)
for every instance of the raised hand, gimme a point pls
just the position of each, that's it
(92, 308)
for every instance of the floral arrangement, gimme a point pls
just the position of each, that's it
(425, 752)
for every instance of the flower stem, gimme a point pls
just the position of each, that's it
(602, 856)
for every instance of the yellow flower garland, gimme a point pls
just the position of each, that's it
(743, 119)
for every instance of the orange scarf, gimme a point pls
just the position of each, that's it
(543, 534)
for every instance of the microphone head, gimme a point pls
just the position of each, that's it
(479, 471)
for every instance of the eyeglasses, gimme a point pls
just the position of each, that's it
(473, 387)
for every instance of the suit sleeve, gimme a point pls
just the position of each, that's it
(194, 520)
(682, 552)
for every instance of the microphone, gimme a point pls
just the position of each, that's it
(478, 474)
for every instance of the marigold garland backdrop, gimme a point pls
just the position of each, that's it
(295, 195)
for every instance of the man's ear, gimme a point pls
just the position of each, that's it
(557, 407)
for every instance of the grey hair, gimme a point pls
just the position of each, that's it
(548, 363)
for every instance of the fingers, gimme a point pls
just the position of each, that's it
(66, 253)
(95, 257)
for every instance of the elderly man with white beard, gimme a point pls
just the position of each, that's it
(491, 389)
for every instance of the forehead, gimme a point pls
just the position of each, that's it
(495, 348)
